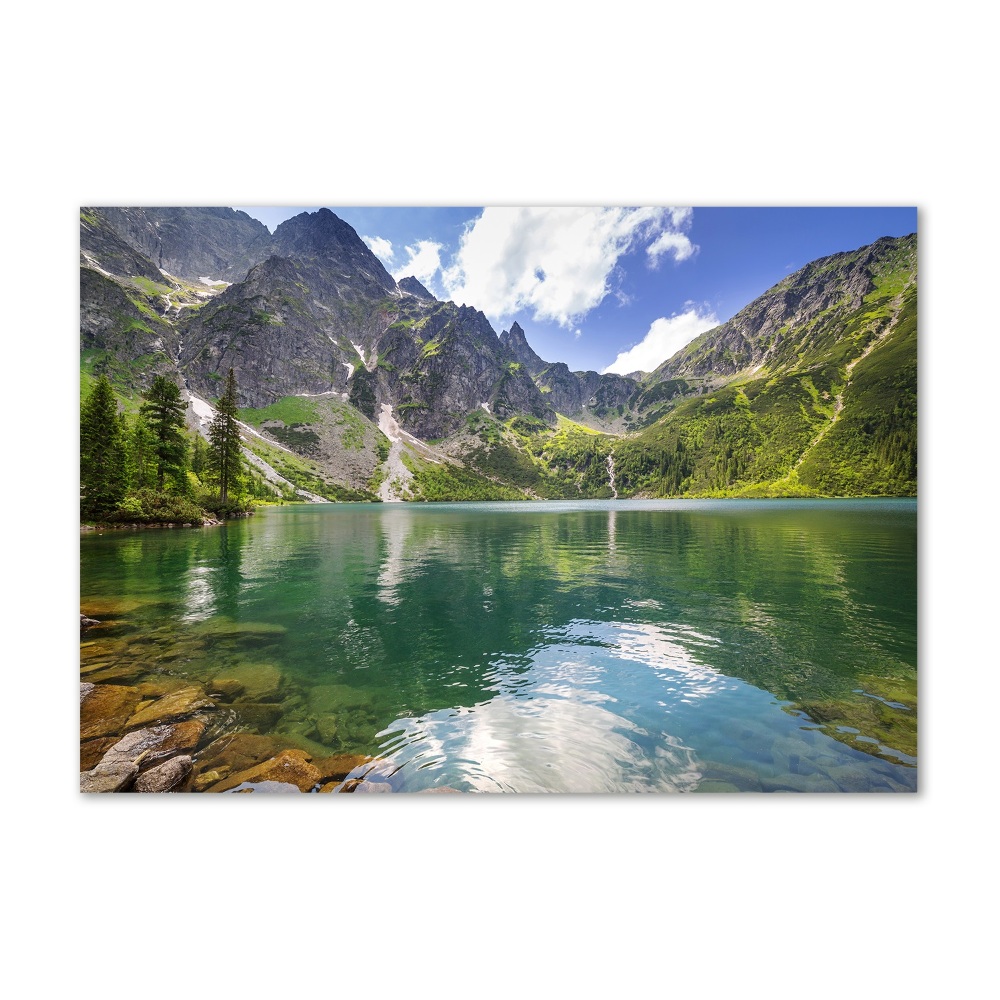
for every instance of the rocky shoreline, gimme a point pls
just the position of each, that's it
(168, 734)
(208, 522)
(149, 730)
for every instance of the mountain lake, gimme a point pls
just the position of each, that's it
(592, 646)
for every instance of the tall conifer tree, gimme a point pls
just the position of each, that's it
(224, 436)
(102, 452)
(141, 455)
(164, 412)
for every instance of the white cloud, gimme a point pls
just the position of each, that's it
(680, 218)
(380, 247)
(663, 340)
(423, 261)
(557, 262)
(677, 243)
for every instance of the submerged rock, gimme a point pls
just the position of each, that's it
(338, 767)
(235, 752)
(226, 689)
(126, 671)
(289, 767)
(714, 785)
(166, 776)
(326, 729)
(105, 709)
(157, 687)
(243, 633)
(372, 787)
(93, 751)
(171, 706)
(264, 786)
(256, 682)
(258, 716)
(335, 698)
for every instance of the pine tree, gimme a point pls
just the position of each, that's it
(164, 411)
(199, 455)
(224, 436)
(141, 455)
(102, 453)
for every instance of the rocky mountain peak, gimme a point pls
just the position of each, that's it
(411, 285)
(517, 344)
(324, 236)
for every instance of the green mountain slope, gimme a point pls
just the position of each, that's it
(810, 390)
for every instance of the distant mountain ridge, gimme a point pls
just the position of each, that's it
(763, 401)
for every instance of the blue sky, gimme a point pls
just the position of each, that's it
(617, 289)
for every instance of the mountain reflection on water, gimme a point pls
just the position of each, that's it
(593, 646)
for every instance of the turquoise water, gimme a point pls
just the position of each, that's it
(555, 646)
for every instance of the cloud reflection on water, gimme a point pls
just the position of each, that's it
(560, 724)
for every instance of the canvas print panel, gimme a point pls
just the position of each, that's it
(577, 500)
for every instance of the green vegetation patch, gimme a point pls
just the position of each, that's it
(448, 482)
(304, 474)
(151, 288)
(297, 436)
(289, 410)
(872, 448)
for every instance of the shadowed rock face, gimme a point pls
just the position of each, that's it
(192, 243)
(111, 321)
(568, 392)
(289, 328)
(101, 244)
(318, 313)
(441, 361)
(573, 392)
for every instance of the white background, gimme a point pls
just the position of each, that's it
(761, 104)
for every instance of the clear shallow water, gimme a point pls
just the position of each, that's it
(579, 647)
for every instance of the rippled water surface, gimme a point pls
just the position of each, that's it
(577, 647)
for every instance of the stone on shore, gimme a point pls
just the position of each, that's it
(109, 777)
(156, 743)
(166, 776)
